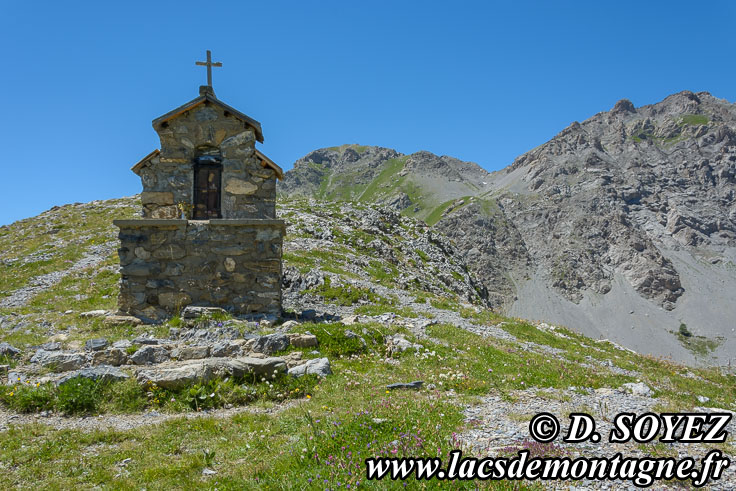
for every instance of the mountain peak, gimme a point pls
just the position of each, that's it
(624, 106)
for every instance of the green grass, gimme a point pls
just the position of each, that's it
(300, 261)
(333, 342)
(390, 170)
(82, 396)
(422, 255)
(444, 304)
(248, 451)
(383, 273)
(345, 295)
(435, 215)
(699, 345)
(385, 309)
(694, 119)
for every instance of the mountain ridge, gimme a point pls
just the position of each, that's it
(634, 201)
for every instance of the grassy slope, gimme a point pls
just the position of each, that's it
(347, 418)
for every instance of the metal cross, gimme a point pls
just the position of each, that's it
(209, 64)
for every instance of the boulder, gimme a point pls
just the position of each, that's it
(59, 361)
(146, 340)
(303, 340)
(102, 372)
(638, 389)
(150, 354)
(398, 344)
(191, 352)
(316, 366)
(226, 348)
(9, 350)
(121, 320)
(293, 359)
(95, 344)
(178, 376)
(271, 343)
(51, 346)
(288, 325)
(112, 356)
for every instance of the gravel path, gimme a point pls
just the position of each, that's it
(497, 424)
(122, 422)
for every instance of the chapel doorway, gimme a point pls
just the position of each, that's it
(207, 181)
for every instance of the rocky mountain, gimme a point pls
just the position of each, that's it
(622, 226)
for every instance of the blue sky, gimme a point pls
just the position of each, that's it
(481, 81)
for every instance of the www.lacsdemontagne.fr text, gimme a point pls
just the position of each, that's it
(641, 471)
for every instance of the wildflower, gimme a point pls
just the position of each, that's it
(38, 384)
(308, 396)
(11, 394)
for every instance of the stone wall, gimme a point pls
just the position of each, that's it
(248, 189)
(166, 265)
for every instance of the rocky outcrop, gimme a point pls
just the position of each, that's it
(186, 374)
(59, 361)
(102, 373)
(271, 343)
(317, 366)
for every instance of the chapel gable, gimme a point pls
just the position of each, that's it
(208, 166)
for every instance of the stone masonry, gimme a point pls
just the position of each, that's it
(169, 260)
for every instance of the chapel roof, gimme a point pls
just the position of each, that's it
(142, 162)
(207, 94)
(266, 162)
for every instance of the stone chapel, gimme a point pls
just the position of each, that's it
(208, 235)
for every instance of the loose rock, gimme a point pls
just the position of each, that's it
(121, 320)
(318, 366)
(96, 344)
(150, 354)
(271, 343)
(59, 361)
(102, 372)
